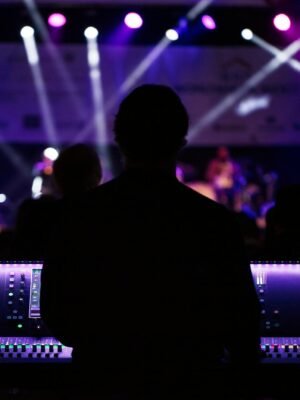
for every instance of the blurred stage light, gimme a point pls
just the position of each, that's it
(247, 34)
(2, 198)
(208, 22)
(133, 20)
(172, 35)
(57, 20)
(36, 188)
(51, 153)
(27, 32)
(282, 22)
(91, 33)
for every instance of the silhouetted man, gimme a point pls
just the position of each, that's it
(149, 282)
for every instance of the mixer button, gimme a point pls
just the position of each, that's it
(278, 355)
(23, 348)
(286, 348)
(34, 348)
(39, 355)
(59, 348)
(43, 348)
(19, 355)
(48, 355)
(15, 348)
(30, 355)
(56, 355)
(295, 348)
(290, 355)
(276, 348)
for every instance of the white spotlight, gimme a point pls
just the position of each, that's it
(51, 153)
(91, 33)
(2, 198)
(172, 35)
(247, 34)
(27, 32)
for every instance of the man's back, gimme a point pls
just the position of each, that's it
(159, 269)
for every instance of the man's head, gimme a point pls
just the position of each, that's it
(151, 124)
(77, 169)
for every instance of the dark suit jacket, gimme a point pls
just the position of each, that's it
(147, 272)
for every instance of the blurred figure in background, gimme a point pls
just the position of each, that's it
(224, 174)
(43, 183)
(76, 170)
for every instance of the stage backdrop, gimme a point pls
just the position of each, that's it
(209, 80)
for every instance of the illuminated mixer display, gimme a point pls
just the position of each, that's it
(24, 338)
(278, 289)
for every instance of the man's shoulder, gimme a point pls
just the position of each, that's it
(198, 200)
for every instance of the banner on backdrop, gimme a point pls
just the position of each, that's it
(207, 78)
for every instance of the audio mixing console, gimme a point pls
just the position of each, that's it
(25, 339)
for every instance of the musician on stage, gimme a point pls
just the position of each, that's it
(224, 174)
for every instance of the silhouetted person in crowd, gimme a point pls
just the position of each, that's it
(283, 226)
(148, 281)
(76, 171)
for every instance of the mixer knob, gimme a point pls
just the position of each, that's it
(43, 348)
(59, 348)
(15, 349)
(23, 348)
(34, 348)
(286, 348)
(276, 348)
(51, 348)
(267, 348)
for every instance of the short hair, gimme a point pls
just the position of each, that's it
(151, 123)
(77, 169)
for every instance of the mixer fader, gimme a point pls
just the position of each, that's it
(24, 338)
